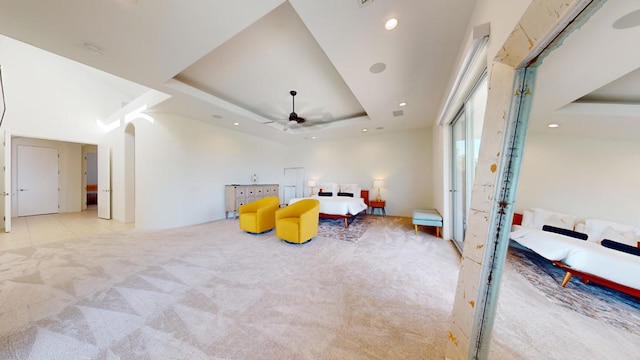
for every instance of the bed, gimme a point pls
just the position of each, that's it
(92, 194)
(345, 201)
(580, 248)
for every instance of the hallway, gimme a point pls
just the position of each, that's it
(41, 229)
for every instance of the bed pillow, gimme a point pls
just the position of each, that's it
(325, 193)
(620, 247)
(542, 217)
(596, 228)
(627, 238)
(565, 232)
(351, 188)
(348, 194)
(329, 187)
(527, 218)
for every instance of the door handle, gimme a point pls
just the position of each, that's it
(24, 189)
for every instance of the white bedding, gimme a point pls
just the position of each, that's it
(585, 256)
(337, 205)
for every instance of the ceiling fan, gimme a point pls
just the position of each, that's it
(293, 117)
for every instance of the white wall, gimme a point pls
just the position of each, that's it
(69, 165)
(51, 97)
(182, 166)
(403, 159)
(586, 177)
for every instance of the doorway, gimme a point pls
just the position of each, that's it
(293, 184)
(71, 175)
(91, 178)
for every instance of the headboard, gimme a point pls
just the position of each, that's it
(517, 219)
(365, 195)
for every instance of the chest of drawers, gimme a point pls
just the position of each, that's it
(237, 195)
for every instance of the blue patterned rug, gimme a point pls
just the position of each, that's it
(334, 228)
(593, 300)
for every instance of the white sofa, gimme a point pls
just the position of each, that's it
(587, 259)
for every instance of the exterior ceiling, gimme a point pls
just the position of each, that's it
(590, 85)
(226, 62)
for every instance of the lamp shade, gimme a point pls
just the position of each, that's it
(311, 183)
(378, 183)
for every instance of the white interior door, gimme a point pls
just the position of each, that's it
(104, 182)
(293, 183)
(7, 182)
(37, 180)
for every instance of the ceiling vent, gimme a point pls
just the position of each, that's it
(398, 113)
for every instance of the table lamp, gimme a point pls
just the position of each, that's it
(377, 184)
(311, 184)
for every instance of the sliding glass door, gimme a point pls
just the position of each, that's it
(466, 131)
(458, 188)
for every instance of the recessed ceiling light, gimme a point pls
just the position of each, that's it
(377, 68)
(402, 104)
(391, 24)
(313, 138)
(553, 125)
(365, 130)
(236, 124)
(93, 48)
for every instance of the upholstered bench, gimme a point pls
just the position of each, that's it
(427, 217)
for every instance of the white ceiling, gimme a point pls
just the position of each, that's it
(590, 85)
(236, 61)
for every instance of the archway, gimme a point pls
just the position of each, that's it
(129, 173)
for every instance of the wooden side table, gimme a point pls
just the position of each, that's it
(378, 204)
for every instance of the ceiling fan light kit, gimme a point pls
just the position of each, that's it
(293, 117)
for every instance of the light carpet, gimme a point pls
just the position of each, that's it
(214, 292)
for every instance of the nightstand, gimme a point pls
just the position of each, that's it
(378, 204)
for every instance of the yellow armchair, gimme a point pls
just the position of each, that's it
(259, 216)
(298, 222)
